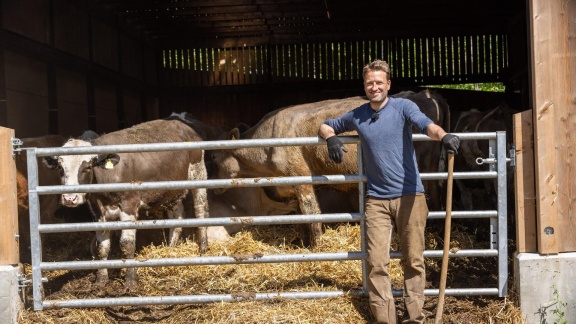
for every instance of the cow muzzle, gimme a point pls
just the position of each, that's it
(72, 200)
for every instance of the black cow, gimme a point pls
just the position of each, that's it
(480, 194)
(430, 154)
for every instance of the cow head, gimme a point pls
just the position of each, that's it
(226, 165)
(78, 169)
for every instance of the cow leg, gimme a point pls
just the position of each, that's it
(200, 198)
(175, 233)
(465, 195)
(197, 171)
(103, 242)
(128, 247)
(309, 205)
(433, 191)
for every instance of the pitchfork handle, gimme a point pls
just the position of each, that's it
(447, 229)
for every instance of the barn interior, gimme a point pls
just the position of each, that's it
(69, 65)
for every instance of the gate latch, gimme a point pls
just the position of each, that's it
(511, 159)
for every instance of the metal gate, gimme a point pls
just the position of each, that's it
(498, 221)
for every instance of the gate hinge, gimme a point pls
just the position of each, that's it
(23, 282)
(16, 143)
(512, 157)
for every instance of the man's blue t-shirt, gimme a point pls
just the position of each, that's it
(387, 147)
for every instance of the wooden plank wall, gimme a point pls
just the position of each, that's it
(413, 61)
(76, 67)
(553, 30)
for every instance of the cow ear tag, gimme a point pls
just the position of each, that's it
(233, 137)
(109, 164)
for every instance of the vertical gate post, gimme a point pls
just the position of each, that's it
(502, 215)
(9, 254)
(10, 302)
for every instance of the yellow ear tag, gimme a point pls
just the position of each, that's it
(233, 137)
(109, 165)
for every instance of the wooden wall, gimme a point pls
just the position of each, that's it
(67, 66)
(413, 61)
(553, 37)
(224, 86)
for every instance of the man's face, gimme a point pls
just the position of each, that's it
(376, 86)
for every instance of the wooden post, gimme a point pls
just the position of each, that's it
(554, 66)
(524, 185)
(9, 253)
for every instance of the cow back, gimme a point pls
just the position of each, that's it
(304, 121)
(150, 166)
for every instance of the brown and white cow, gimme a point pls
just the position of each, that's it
(429, 154)
(295, 121)
(50, 208)
(479, 194)
(135, 168)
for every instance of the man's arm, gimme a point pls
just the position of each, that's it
(435, 132)
(326, 131)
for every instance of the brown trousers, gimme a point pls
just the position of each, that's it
(409, 214)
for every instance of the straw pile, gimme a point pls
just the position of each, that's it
(256, 278)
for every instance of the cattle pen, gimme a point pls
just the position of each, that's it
(497, 162)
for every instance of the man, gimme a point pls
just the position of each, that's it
(395, 194)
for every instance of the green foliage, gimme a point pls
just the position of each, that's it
(559, 310)
(490, 87)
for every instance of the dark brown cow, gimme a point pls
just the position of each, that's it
(429, 154)
(479, 194)
(296, 121)
(135, 167)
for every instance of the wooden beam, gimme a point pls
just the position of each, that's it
(553, 30)
(525, 189)
(9, 251)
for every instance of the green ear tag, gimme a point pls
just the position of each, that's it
(109, 164)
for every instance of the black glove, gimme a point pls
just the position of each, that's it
(335, 148)
(451, 142)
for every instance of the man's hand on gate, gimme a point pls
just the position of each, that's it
(451, 142)
(335, 148)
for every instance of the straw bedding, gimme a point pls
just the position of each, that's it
(245, 280)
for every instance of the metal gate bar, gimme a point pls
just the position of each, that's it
(198, 299)
(36, 228)
(251, 220)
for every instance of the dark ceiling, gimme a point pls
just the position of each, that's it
(253, 22)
